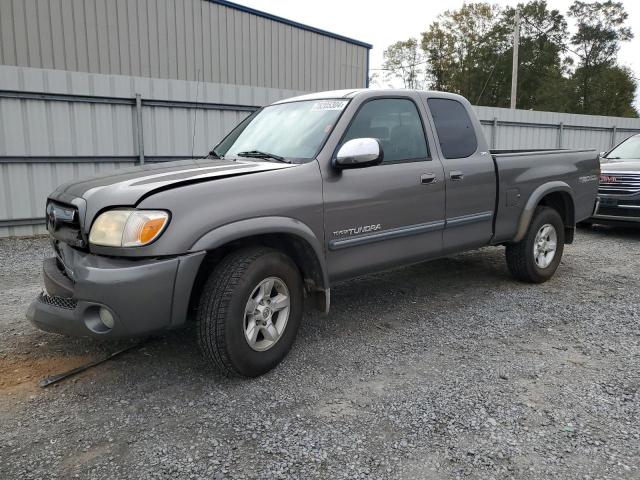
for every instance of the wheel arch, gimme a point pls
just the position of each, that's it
(557, 195)
(285, 234)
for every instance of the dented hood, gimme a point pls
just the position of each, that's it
(127, 187)
(130, 185)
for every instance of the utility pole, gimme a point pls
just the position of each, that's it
(514, 66)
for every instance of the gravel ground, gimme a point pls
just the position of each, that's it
(441, 370)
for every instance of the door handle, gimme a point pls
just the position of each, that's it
(428, 178)
(456, 175)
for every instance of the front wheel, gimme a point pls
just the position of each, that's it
(249, 312)
(536, 257)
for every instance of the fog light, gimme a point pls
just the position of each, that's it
(106, 318)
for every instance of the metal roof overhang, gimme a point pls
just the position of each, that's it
(301, 26)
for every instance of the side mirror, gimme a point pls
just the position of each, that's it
(359, 152)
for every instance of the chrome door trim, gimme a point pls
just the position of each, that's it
(416, 229)
(467, 219)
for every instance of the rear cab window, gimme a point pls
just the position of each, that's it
(456, 133)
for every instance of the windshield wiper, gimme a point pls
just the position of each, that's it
(259, 154)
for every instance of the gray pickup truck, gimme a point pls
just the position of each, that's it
(302, 194)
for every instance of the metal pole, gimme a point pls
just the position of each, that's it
(514, 66)
(494, 133)
(560, 132)
(140, 135)
(614, 134)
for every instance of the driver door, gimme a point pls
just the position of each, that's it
(389, 214)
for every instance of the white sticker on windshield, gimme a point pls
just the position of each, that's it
(329, 105)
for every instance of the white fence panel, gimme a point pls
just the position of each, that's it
(58, 126)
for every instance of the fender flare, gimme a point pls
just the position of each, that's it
(264, 225)
(534, 200)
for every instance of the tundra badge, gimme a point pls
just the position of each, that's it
(357, 230)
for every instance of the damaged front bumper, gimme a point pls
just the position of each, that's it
(136, 296)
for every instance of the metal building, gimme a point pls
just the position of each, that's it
(213, 41)
(88, 86)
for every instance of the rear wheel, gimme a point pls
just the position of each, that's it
(537, 256)
(249, 312)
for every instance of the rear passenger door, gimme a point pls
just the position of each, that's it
(469, 176)
(389, 214)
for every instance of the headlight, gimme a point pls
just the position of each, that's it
(127, 227)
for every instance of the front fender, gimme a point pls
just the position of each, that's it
(534, 199)
(230, 232)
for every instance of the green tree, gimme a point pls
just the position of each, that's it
(405, 61)
(600, 30)
(612, 90)
(462, 47)
(541, 67)
(440, 50)
(469, 51)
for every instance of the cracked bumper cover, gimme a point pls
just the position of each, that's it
(143, 296)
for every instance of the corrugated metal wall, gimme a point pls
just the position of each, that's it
(88, 124)
(514, 129)
(177, 39)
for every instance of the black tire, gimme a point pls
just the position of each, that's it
(221, 311)
(520, 256)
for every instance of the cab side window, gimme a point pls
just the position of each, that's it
(456, 134)
(396, 123)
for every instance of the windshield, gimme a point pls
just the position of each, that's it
(295, 130)
(627, 150)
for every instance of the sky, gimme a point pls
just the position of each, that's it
(384, 25)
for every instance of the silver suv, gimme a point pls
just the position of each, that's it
(619, 192)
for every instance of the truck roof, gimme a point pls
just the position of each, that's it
(351, 93)
(347, 93)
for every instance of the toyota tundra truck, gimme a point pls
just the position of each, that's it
(302, 194)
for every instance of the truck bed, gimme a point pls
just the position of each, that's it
(520, 172)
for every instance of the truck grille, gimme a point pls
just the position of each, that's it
(619, 183)
(60, 302)
(63, 223)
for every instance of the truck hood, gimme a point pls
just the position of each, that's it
(129, 186)
(612, 165)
